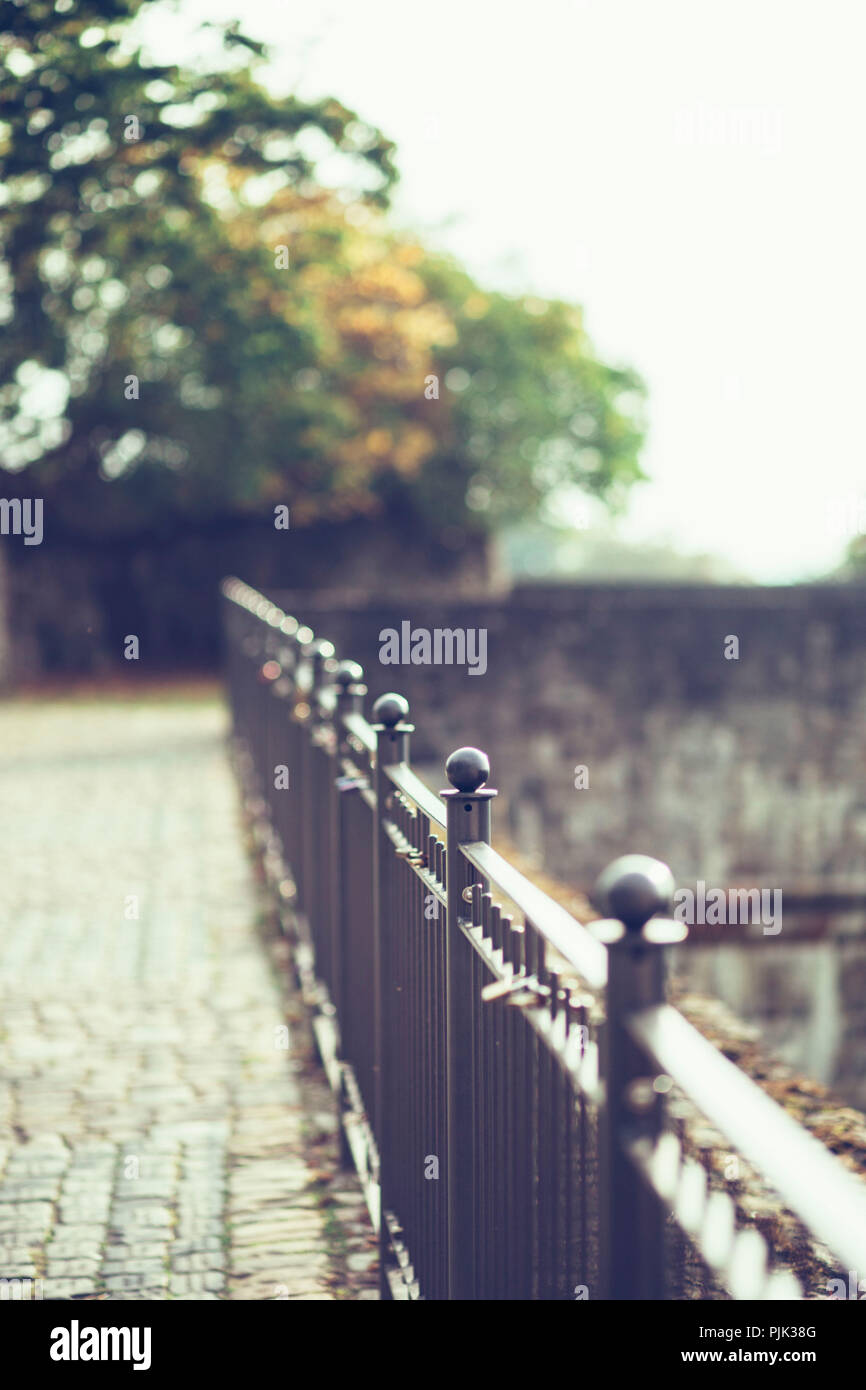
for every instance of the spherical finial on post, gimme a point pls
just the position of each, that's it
(319, 649)
(319, 665)
(633, 889)
(319, 653)
(349, 683)
(391, 710)
(348, 673)
(467, 769)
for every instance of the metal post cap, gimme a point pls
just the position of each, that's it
(320, 648)
(634, 888)
(467, 769)
(348, 673)
(390, 710)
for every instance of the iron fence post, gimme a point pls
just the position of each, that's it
(351, 690)
(392, 748)
(467, 816)
(287, 654)
(348, 680)
(316, 667)
(323, 666)
(631, 891)
(346, 677)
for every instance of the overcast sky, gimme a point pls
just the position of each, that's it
(691, 171)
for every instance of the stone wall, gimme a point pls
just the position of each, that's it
(72, 602)
(747, 772)
(732, 770)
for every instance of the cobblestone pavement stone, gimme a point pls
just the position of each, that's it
(164, 1130)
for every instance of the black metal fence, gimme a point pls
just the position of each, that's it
(506, 1075)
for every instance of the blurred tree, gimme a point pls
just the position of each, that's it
(853, 566)
(122, 278)
(196, 328)
(531, 409)
(469, 407)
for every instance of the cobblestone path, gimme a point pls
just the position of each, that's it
(164, 1131)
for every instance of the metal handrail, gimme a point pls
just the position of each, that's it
(435, 1030)
(357, 726)
(410, 785)
(563, 931)
(814, 1184)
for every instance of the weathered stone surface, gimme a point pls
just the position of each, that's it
(738, 772)
(153, 1142)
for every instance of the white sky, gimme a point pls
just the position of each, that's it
(691, 171)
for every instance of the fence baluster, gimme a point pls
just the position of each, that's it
(392, 747)
(631, 890)
(558, 1172)
(467, 811)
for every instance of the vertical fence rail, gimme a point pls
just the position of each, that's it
(468, 820)
(503, 1071)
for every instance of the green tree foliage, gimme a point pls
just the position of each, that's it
(194, 369)
(532, 408)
